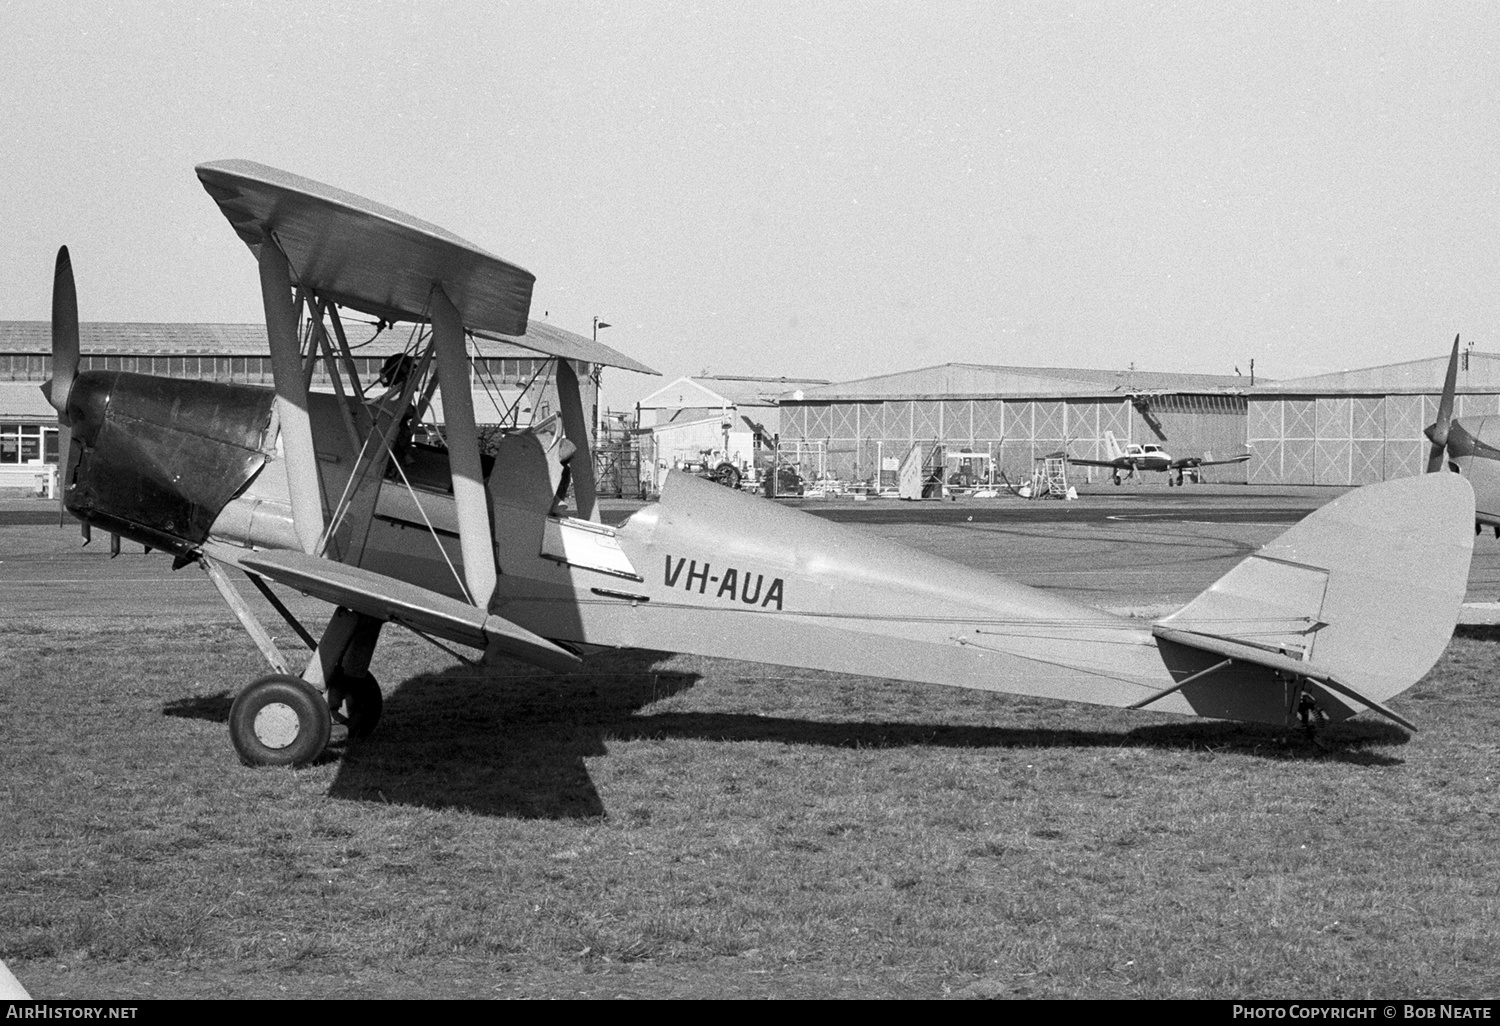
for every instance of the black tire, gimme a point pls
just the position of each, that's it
(279, 720)
(728, 475)
(355, 701)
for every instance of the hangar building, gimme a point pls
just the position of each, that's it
(851, 431)
(1347, 428)
(239, 353)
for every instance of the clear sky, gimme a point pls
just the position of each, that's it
(824, 188)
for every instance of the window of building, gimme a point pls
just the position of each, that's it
(26, 443)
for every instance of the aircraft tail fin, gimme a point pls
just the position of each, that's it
(1115, 451)
(1361, 596)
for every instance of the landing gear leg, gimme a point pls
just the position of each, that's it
(355, 702)
(284, 720)
(1312, 716)
(342, 664)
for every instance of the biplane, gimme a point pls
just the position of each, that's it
(339, 496)
(1135, 457)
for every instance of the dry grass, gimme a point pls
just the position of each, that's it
(684, 827)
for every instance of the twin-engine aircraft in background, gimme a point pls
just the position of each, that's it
(334, 495)
(1134, 457)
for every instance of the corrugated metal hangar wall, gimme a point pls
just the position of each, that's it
(1345, 439)
(1358, 426)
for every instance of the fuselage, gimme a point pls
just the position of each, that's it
(1145, 457)
(190, 467)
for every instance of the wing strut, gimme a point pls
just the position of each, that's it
(581, 465)
(1184, 682)
(320, 342)
(474, 538)
(242, 612)
(344, 352)
(291, 396)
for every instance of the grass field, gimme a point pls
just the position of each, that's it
(695, 828)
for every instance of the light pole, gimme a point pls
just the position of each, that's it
(597, 373)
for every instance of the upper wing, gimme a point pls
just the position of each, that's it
(386, 598)
(379, 260)
(364, 254)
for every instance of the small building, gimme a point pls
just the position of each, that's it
(28, 437)
(724, 417)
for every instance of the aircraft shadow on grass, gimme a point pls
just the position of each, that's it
(1478, 632)
(513, 741)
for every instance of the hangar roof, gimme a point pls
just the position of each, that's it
(129, 338)
(707, 390)
(136, 339)
(972, 379)
(23, 400)
(1476, 371)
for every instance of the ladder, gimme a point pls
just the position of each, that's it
(933, 468)
(1054, 478)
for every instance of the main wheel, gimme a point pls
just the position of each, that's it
(728, 475)
(279, 721)
(355, 701)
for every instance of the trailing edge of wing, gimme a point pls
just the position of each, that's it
(1238, 650)
(544, 338)
(388, 599)
(366, 255)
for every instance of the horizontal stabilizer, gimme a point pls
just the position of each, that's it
(1238, 651)
(386, 598)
